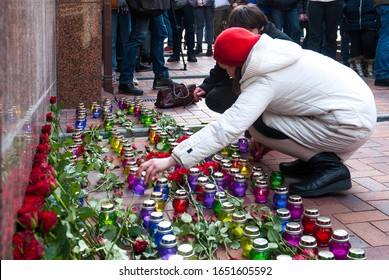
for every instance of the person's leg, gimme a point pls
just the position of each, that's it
(315, 19)
(168, 25)
(188, 17)
(332, 17)
(114, 30)
(175, 17)
(382, 52)
(220, 98)
(294, 26)
(200, 17)
(209, 16)
(278, 18)
(355, 60)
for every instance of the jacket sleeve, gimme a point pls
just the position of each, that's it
(250, 104)
(216, 75)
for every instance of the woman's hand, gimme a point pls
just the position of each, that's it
(258, 150)
(155, 165)
(198, 93)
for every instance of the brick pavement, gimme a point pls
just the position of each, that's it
(363, 210)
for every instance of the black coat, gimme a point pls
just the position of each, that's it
(360, 14)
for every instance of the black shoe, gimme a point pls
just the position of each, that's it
(174, 57)
(192, 58)
(130, 89)
(161, 81)
(198, 50)
(297, 168)
(382, 82)
(247, 134)
(330, 175)
(209, 51)
(141, 67)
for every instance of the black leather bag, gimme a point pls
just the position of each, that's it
(175, 96)
(149, 8)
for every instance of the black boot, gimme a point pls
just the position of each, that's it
(297, 168)
(330, 175)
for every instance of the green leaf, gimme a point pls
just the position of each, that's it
(135, 231)
(51, 252)
(85, 212)
(160, 146)
(186, 218)
(273, 245)
(235, 245)
(273, 235)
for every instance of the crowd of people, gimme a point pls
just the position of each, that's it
(276, 78)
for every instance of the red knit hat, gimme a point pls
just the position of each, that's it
(233, 46)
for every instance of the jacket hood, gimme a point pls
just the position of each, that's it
(269, 55)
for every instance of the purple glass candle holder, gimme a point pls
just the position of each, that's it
(168, 246)
(339, 244)
(239, 186)
(243, 145)
(208, 195)
(296, 207)
(261, 191)
(194, 173)
(148, 206)
(139, 185)
(292, 233)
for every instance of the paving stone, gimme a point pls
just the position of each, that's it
(357, 217)
(370, 234)
(377, 253)
(383, 195)
(382, 225)
(382, 205)
(370, 184)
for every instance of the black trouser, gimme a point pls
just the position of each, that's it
(184, 18)
(363, 42)
(220, 98)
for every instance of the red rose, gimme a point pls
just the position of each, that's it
(31, 204)
(117, 193)
(299, 257)
(46, 129)
(26, 246)
(29, 220)
(41, 188)
(134, 146)
(53, 99)
(209, 167)
(69, 129)
(47, 221)
(44, 138)
(44, 148)
(49, 117)
(40, 159)
(140, 246)
(182, 138)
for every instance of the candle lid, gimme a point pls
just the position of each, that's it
(162, 181)
(218, 175)
(234, 147)
(283, 257)
(323, 222)
(176, 257)
(180, 194)
(148, 204)
(260, 244)
(326, 255)
(257, 169)
(239, 217)
(356, 254)
(202, 180)
(261, 184)
(194, 171)
(209, 188)
(228, 207)
(156, 216)
(340, 235)
(311, 212)
(308, 241)
(133, 169)
(293, 228)
(226, 165)
(185, 250)
(243, 161)
(283, 213)
(107, 207)
(258, 176)
(217, 158)
(169, 241)
(156, 196)
(251, 231)
(221, 195)
(234, 170)
(239, 178)
(281, 190)
(295, 199)
(164, 226)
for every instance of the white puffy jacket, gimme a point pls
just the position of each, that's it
(315, 100)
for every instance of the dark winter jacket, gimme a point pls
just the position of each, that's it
(360, 14)
(219, 77)
(380, 2)
(279, 4)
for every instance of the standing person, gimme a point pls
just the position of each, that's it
(182, 18)
(324, 17)
(204, 12)
(221, 15)
(217, 88)
(295, 101)
(302, 8)
(140, 26)
(362, 25)
(382, 53)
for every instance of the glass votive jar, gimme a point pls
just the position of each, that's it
(168, 246)
(239, 186)
(296, 207)
(201, 182)
(261, 191)
(280, 197)
(250, 233)
(158, 199)
(237, 225)
(208, 195)
(220, 197)
(226, 212)
(322, 231)
(155, 219)
(243, 145)
(292, 233)
(309, 219)
(219, 181)
(234, 149)
(325, 255)
(94, 103)
(225, 152)
(131, 177)
(284, 215)
(356, 254)
(96, 112)
(339, 244)
(140, 186)
(163, 228)
(194, 174)
(256, 169)
(276, 179)
(257, 176)
(107, 215)
(235, 160)
(148, 206)
(162, 186)
(244, 167)
(308, 246)
(187, 252)
(152, 133)
(180, 202)
(260, 250)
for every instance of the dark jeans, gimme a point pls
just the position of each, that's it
(220, 98)
(140, 27)
(324, 17)
(182, 19)
(363, 42)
